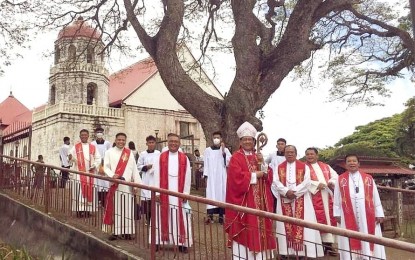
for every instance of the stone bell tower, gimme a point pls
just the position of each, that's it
(79, 75)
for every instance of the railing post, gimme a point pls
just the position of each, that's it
(47, 189)
(153, 225)
(399, 205)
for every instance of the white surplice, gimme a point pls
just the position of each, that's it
(147, 177)
(359, 210)
(312, 239)
(102, 185)
(124, 203)
(79, 203)
(215, 163)
(173, 173)
(273, 160)
(325, 195)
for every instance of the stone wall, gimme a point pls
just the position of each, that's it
(47, 238)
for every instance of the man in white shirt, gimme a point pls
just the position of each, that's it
(63, 156)
(216, 161)
(145, 165)
(276, 158)
(102, 146)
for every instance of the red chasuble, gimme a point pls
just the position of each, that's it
(347, 207)
(317, 198)
(294, 233)
(250, 231)
(164, 198)
(119, 170)
(86, 182)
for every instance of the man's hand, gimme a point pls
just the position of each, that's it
(321, 186)
(116, 176)
(338, 219)
(331, 185)
(157, 198)
(259, 174)
(290, 195)
(379, 220)
(259, 157)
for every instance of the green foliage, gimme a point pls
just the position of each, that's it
(388, 137)
(405, 141)
(380, 134)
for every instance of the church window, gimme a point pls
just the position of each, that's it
(184, 129)
(72, 52)
(91, 91)
(52, 95)
(90, 55)
(57, 54)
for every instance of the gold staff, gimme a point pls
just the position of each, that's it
(262, 140)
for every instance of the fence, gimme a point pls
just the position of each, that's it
(52, 195)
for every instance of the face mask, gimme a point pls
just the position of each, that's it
(216, 141)
(100, 135)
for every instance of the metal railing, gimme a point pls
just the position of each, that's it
(49, 193)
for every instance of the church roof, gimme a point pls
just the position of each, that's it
(126, 81)
(10, 108)
(20, 122)
(375, 166)
(79, 28)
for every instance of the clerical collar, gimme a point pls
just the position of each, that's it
(280, 153)
(215, 147)
(148, 151)
(100, 141)
(248, 152)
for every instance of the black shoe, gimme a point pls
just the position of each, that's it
(126, 236)
(113, 237)
(183, 249)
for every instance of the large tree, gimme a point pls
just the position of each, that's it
(268, 38)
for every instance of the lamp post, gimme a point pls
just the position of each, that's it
(157, 139)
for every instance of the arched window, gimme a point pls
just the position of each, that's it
(57, 54)
(11, 153)
(72, 53)
(91, 92)
(52, 95)
(90, 55)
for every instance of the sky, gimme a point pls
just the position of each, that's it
(304, 118)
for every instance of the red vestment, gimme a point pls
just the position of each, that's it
(119, 170)
(250, 231)
(294, 233)
(164, 198)
(350, 220)
(87, 182)
(317, 198)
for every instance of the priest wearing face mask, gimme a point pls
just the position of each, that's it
(215, 162)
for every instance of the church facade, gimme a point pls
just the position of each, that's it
(83, 95)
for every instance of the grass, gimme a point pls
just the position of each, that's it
(7, 252)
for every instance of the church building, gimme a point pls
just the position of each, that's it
(83, 95)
